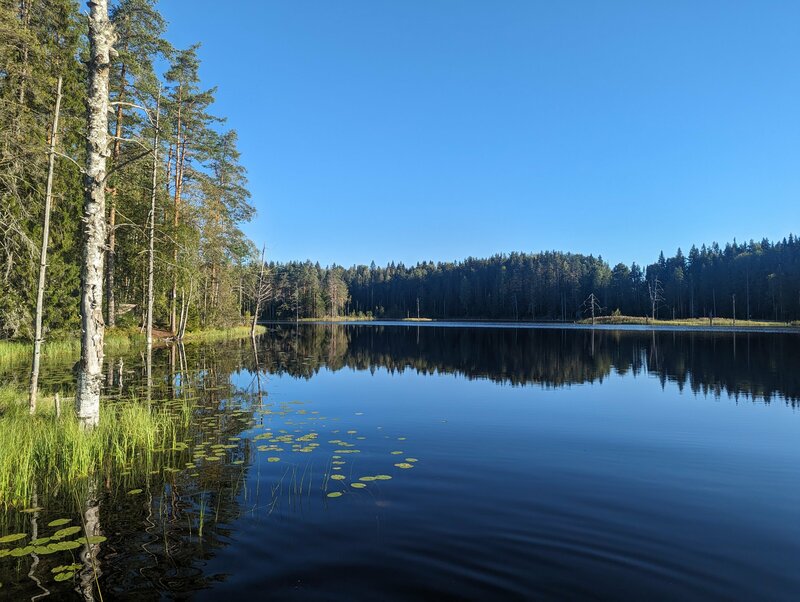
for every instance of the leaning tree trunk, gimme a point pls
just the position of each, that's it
(101, 38)
(48, 198)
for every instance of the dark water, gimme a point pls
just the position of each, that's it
(535, 464)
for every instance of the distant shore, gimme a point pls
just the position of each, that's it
(605, 322)
(694, 322)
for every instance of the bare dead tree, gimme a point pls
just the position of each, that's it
(656, 293)
(48, 199)
(592, 306)
(151, 218)
(262, 293)
(151, 245)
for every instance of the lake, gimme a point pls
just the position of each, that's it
(387, 461)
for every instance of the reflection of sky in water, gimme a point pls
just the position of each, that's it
(602, 475)
(627, 483)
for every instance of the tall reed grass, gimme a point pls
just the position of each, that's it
(43, 452)
(117, 341)
(221, 334)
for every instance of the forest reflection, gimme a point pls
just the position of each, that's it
(758, 366)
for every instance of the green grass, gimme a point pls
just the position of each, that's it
(116, 341)
(221, 334)
(43, 452)
(354, 318)
(727, 322)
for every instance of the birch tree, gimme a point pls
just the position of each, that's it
(101, 40)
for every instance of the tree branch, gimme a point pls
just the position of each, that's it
(74, 162)
(125, 163)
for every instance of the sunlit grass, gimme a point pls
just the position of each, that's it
(350, 318)
(690, 322)
(55, 452)
(221, 334)
(116, 341)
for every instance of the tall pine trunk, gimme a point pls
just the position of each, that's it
(101, 38)
(179, 159)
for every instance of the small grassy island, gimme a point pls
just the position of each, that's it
(690, 322)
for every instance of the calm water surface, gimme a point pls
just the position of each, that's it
(488, 463)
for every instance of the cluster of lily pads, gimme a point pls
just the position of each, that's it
(275, 441)
(59, 541)
(278, 430)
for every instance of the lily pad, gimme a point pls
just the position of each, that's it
(66, 532)
(134, 492)
(59, 522)
(63, 546)
(338, 477)
(65, 576)
(273, 459)
(357, 485)
(383, 477)
(404, 465)
(13, 537)
(367, 479)
(335, 494)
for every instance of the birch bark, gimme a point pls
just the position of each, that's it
(101, 39)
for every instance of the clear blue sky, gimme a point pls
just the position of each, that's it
(439, 129)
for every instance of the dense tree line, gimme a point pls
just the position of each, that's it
(761, 279)
(203, 263)
(753, 365)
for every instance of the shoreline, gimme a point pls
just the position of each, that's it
(659, 325)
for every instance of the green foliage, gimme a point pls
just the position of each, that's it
(763, 278)
(40, 449)
(199, 245)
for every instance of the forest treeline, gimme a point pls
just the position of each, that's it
(180, 187)
(753, 365)
(203, 262)
(761, 280)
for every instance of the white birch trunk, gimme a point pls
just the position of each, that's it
(48, 198)
(101, 39)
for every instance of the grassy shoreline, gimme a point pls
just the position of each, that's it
(726, 323)
(116, 341)
(52, 452)
(48, 452)
(690, 322)
(360, 318)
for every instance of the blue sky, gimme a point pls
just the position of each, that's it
(410, 130)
